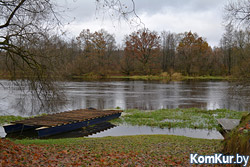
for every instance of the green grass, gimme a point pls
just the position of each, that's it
(182, 118)
(159, 77)
(10, 118)
(171, 118)
(140, 77)
(154, 77)
(207, 78)
(4, 119)
(139, 141)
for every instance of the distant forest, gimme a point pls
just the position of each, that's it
(144, 52)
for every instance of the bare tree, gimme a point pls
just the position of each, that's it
(98, 48)
(241, 54)
(227, 44)
(127, 63)
(169, 45)
(25, 27)
(238, 13)
(23, 23)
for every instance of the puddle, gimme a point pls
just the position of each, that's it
(146, 130)
(171, 120)
(2, 132)
(108, 129)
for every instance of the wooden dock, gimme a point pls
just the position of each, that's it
(62, 122)
(228, 125)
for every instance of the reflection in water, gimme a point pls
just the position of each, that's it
(146, 130)
(17, 99)
(107, 129)
(83, 132)
(132, 94)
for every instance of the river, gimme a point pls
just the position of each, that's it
(146, 95)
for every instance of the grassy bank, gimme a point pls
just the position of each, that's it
(238, 141)
(134, 77)
(207, 78)
(177, 77)
(174, 77)
(5, 119)
(170, 118)
(155, 150)
(10, 118)
(162, 76)
(182, 118)
(141, 77)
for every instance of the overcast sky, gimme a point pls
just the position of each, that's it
(201, 16)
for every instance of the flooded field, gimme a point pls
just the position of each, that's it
(125, 130)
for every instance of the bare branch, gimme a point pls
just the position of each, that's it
(121, 11)
(12, 14)
(238, 13)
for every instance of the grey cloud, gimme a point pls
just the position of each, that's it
(201, 16)
(155, 6)
(82, 10)
(79, 10)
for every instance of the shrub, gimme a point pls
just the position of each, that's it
(176, 76)
(238, 141)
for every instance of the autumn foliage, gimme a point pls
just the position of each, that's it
(144, 52)
(161, 150)
(193, 52)
(143, 46)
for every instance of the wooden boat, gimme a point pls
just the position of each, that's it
(62, 122)
(81, 132)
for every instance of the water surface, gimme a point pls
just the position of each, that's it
(146, 95)
(146, 130)
(123, 130)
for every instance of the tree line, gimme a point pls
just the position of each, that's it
(144, 52)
